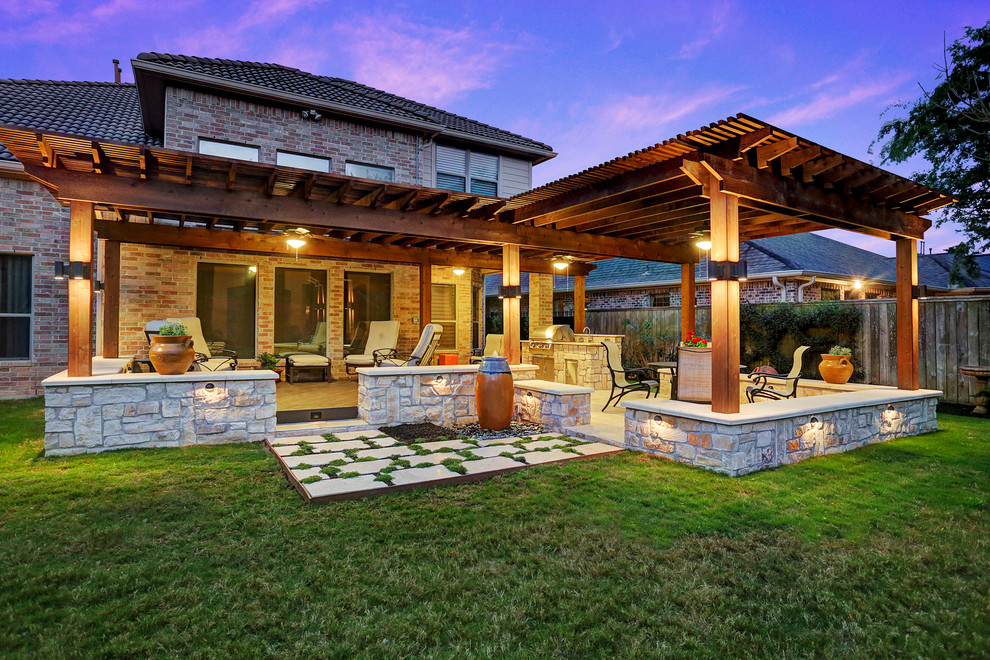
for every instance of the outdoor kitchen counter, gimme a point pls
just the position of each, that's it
(580, 362)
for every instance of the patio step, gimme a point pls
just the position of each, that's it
(319, 428)
(605, 433)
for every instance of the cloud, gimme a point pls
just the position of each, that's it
(431, 64)
(827, 103)
(719, 21)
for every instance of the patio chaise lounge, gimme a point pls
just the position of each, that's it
(625, 381)
(382, 336)
(494, 345)
(421, 355)
(316, 344)
(774, 386)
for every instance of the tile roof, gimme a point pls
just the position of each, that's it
(335, 90)
(99, 110)
(766, 256)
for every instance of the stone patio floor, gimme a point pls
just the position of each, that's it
(364, 462)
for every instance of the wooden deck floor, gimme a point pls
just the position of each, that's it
(305, 396)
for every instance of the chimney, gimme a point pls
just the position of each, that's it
(116, 71)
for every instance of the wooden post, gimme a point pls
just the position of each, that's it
(725, 303)
(687, 300)
(81, 291)
(425, 294)
(510, 306)
(907, 314)
(579, 304)
(111, 299)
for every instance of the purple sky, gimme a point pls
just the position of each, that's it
(594, 80)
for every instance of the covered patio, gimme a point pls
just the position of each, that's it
(733, 180)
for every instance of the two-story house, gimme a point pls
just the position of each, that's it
(252, 302)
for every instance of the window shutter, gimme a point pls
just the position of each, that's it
(484, 166)
(451, 161)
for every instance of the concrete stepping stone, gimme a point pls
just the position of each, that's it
(285, 450)
(546, 444)
(498, 441)
(421, 475)
(491, 465)
(436, 459)
(445, 444)
(339, 446)
(597, 448)
(367, 467)
(385, 452)
(350, 435)
(537, 457)
(365, 482)
(495, 450)
(314, 459)
(308, 472)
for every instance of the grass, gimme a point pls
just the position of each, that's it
(206, 551)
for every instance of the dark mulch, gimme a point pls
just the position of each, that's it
(407, 434)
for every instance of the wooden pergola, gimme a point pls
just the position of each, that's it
(736, 179)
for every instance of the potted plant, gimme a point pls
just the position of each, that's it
(695, 341)
(270, 361)
(836, 367)
(171, 350)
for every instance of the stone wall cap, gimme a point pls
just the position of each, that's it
(62, 378)
(375, 372)
(770, 410)
(548, 387)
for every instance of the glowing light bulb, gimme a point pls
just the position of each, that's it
(704, 245)
(295, 242)
(458, 271)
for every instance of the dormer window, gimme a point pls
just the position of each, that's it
(228, 150)
(467, 171)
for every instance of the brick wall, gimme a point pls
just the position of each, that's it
(35, 224)
(462, 284)
(190, 115)
(159, 282)
(540, 299)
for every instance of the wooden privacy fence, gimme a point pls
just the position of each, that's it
(954, 331)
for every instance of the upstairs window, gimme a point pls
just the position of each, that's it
(467, 171)
(228, 150)
(365, 171)
(15, 307)
(302, 162)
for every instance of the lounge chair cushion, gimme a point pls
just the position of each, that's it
(309, 360)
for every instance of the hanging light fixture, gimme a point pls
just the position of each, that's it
(296, 238)
(705, 244)
(459, 271)
(561, 262)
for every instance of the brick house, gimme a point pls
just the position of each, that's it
(795, 268)
(264, 113)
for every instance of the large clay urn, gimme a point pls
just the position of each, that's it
(493, 393)
(835, 369)
(171, 355)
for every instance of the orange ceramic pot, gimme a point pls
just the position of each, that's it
(171, 355)
(835, 369)
(494, 393)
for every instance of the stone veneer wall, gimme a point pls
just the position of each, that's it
(557, 410)
(158, 411)
(190, 115)
(588, 356)
(418, 396)
(33, 223)
(736, 449)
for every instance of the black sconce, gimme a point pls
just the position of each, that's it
(514, 291)
(74, 270)
(919, 291)
(728, 271)
(98, 286)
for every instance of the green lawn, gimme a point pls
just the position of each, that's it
(207, 551)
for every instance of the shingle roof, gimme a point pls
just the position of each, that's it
(99, 110)
(335, 90)
(799, 252)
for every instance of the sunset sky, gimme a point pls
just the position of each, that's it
(594, 80)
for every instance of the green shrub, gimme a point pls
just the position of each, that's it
(173, 329)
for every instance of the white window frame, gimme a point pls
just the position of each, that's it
(232, 150)
(383, 168)
(302, 161)
(30, 316)
(466, 174)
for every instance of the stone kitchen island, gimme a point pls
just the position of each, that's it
(570, 359)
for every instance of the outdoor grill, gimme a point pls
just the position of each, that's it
(541, 348)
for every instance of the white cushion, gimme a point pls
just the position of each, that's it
(309, 360)
(360, 360)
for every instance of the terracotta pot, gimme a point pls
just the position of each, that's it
(835, 369)
(494, 393)
(171, 355)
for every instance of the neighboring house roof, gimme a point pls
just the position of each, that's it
(337, 91)
(99, 110)
(769, 256)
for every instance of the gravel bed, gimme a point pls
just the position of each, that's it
(515, 430)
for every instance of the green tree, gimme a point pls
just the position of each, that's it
(950, 127)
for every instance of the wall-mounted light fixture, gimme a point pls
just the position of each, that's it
(459, 271)
(919, 291)
(737, 271)
(253, 269)
(98, 286)
(513, 291)
(74, 270)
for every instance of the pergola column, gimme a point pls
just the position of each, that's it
(580, 321)
(81, 290)
(425, 294)
(907, 314)
(725, 302)
(111, 299)
(687, 300)
(510, 305)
